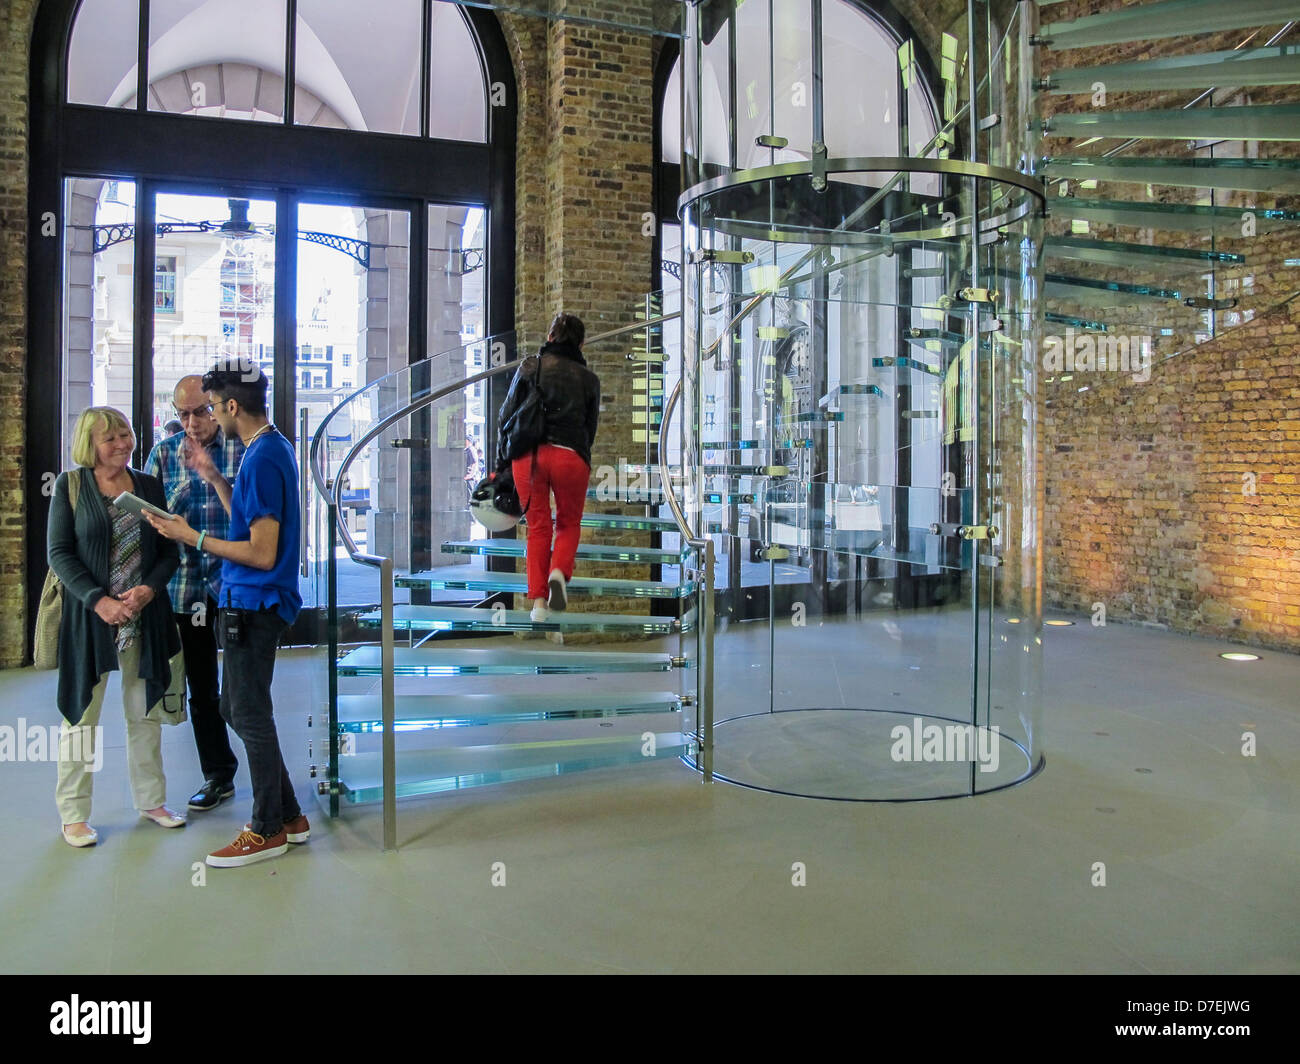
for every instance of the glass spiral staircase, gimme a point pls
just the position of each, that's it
(1169, 141)
(474, 694)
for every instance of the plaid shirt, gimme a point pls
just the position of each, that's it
(199, 574)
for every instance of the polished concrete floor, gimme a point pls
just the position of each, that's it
(644, 869)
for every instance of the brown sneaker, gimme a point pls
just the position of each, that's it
(297, 830)
(249, 848)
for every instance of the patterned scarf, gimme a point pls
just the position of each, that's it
(124, 566)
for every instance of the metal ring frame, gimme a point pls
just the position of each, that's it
(866, 164)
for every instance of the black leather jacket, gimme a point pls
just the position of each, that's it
(571, 392)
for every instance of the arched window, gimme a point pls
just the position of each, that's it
(324, 186)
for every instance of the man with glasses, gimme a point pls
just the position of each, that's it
(260, 598)
(184, 463)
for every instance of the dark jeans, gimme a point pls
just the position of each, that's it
(246, 706)
(199, 642)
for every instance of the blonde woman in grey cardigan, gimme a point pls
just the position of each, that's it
(116, 617)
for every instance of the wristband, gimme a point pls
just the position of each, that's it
(199, 544)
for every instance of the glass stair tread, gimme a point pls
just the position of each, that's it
(471, 578)
(1175, 216)
(1250, 175)
(1279, 121)
(457, 768)
(715, 469)
(1279, 65)
(469, 619)
(1147, 256)
(784, 443)
(1172, 18)
(363, 713)
(903, 362)
(629, 493)
(1055, 283)
(1075, 323)
(605, 552)
(507, 661)
(625, 521)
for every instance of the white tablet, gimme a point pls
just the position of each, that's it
(139, 507)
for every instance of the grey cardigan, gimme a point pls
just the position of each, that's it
(78, 552)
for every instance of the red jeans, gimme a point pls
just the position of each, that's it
(562, 471)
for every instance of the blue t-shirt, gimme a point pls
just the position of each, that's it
(267, 486)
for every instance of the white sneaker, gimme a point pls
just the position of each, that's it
(559, 588)
(540, 612)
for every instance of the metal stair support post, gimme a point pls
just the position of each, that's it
(704, 545)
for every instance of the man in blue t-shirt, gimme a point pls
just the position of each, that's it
(259, 599)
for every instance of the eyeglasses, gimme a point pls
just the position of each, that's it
(199, 411)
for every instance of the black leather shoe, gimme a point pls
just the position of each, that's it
(211, 795)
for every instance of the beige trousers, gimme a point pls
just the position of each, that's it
(77, 752)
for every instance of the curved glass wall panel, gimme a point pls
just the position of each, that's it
(860, 342)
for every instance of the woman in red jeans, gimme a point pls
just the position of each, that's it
(560, 464)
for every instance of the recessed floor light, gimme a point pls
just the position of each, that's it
(1013, 620)
(1238, 656)
(1059, 624)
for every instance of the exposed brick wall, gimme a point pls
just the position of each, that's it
(1146, 510)
(15, 44)
(1149, 507)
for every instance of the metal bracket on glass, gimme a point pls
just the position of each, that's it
(991, 326)
(991, 560)
(977, 532)
(1039, 42)
(414, 443)
(652, 357)
(819, 167)
(978, 295)
(989, 121)
(678, 662)
(686, 700)
(312, 770)
(769, 141)
(775, 554)
(322, 787)
(733, 258)
(1205, 303)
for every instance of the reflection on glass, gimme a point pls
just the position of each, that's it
(99, 275)
(353, 327)
(214, 291)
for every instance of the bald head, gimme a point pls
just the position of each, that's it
(193, 410)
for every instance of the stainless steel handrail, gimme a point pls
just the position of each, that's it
(318, 476)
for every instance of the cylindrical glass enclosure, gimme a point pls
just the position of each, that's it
(861, 283)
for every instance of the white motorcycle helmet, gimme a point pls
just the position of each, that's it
(485, 505)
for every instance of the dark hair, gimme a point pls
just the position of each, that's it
(240, 379)
(567, 328)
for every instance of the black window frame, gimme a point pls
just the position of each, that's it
(281, 160)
